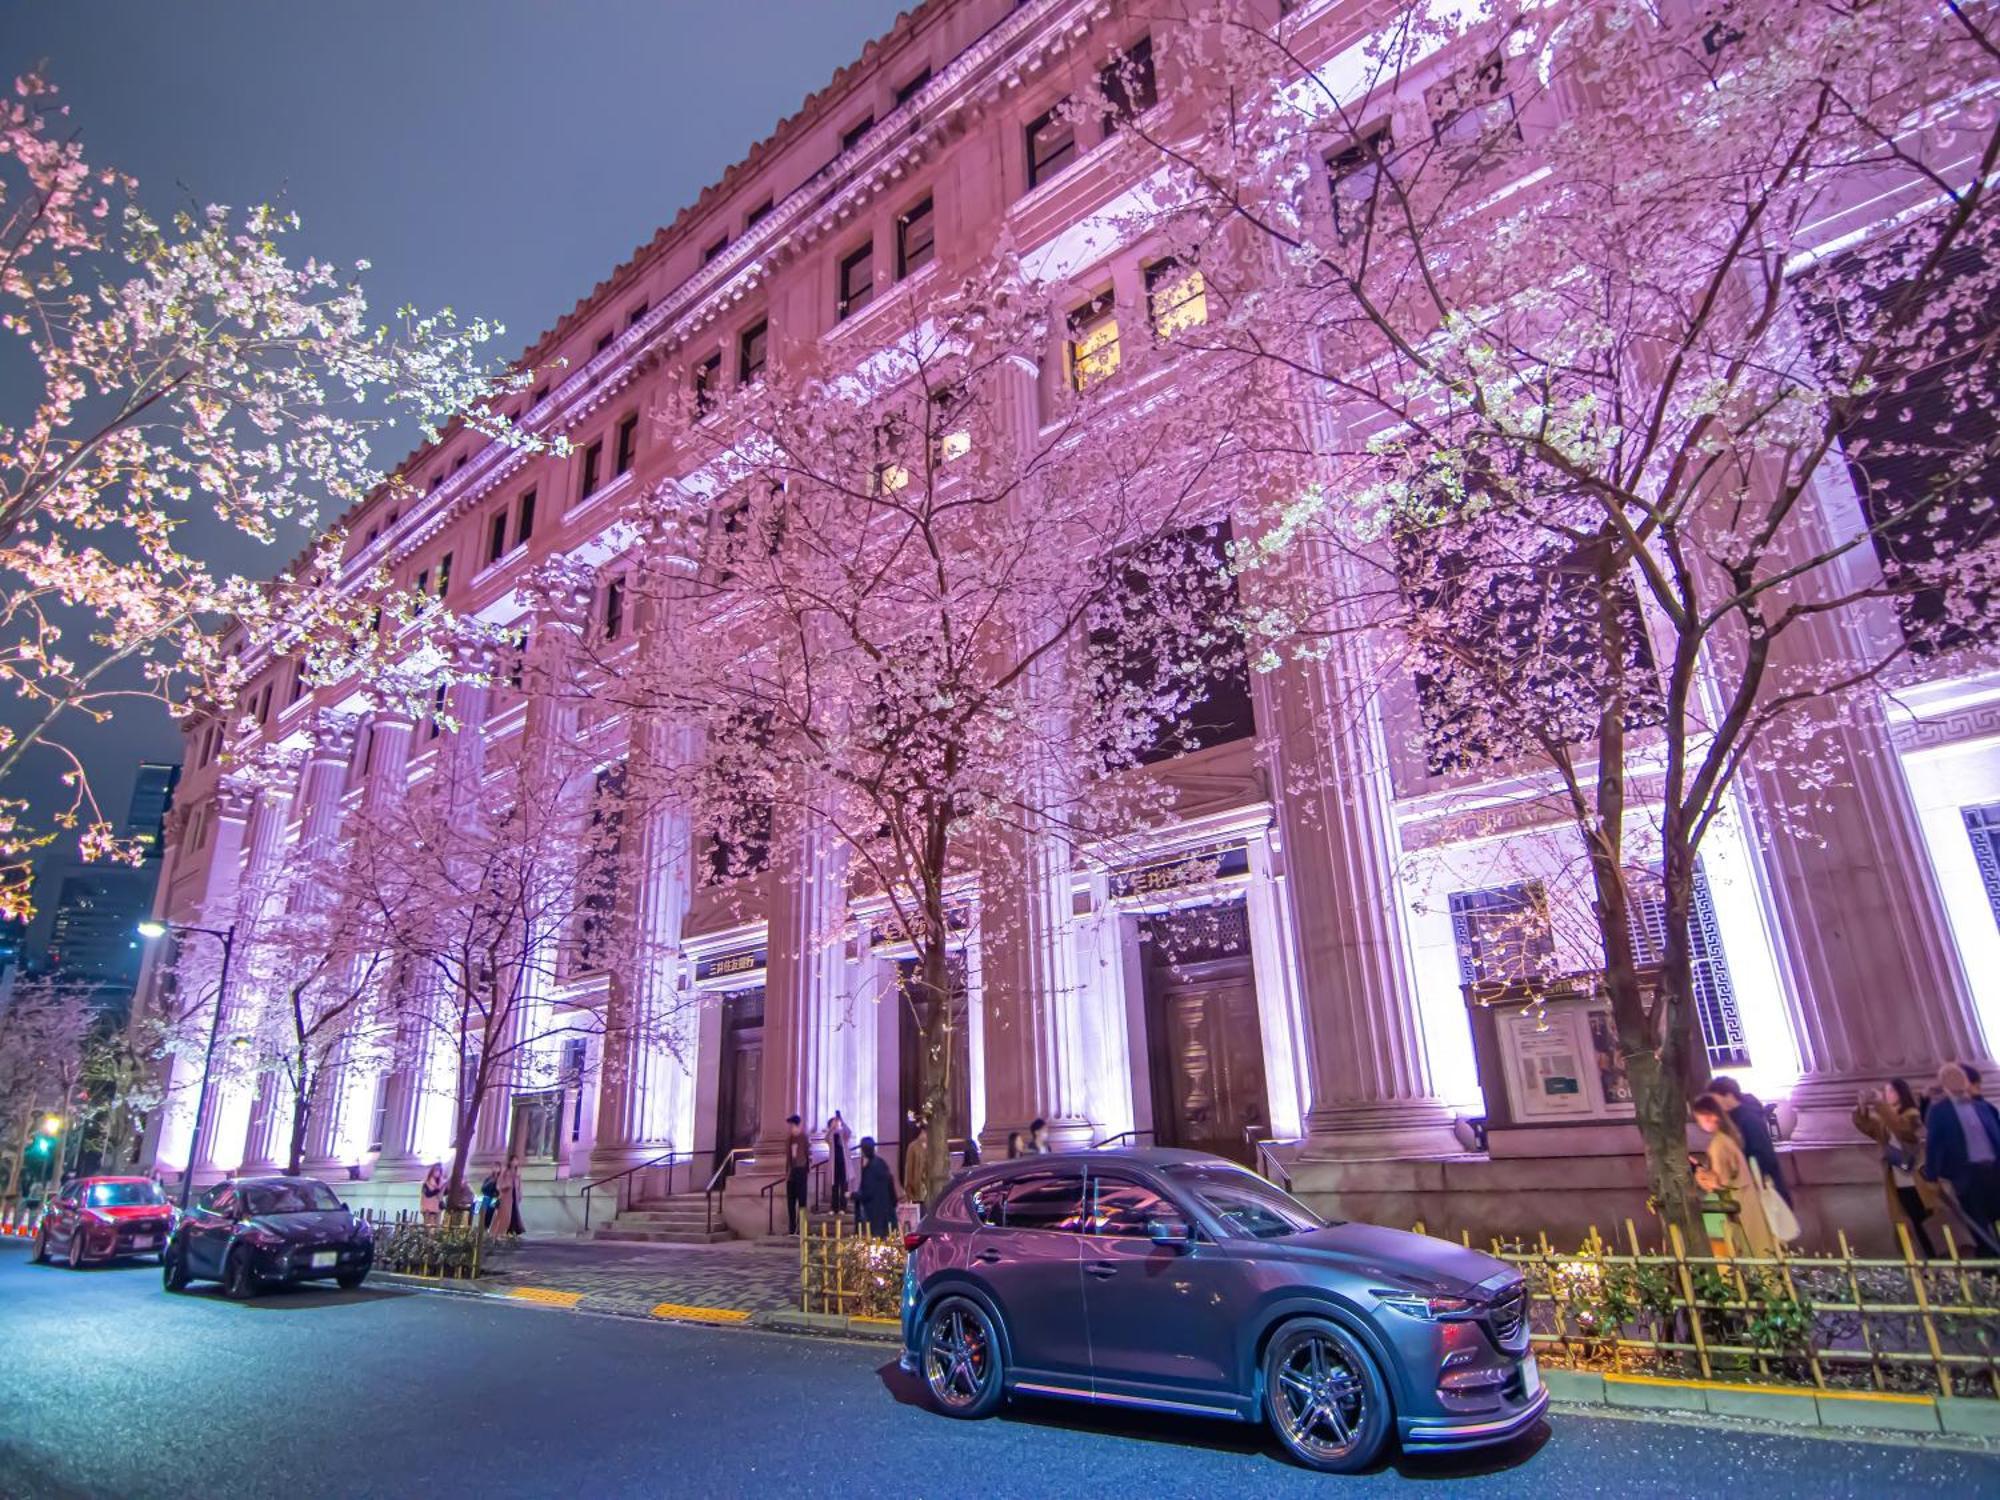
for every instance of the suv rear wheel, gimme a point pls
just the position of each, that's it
(1325, 1398)
(239, 1281)
(961, 1364)
(173, 1270)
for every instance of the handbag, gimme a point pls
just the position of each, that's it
(1777, 1212)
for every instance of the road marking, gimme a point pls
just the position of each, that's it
(701, 1314)
(546, 1296)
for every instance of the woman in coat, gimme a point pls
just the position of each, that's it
(508, 1214)
(1889, 1117)
(837, 1137)
(1728, 1173)
(430, 1198)
(874, 1191)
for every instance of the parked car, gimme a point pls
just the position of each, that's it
(254, 1232)
(103, 1218)
(1181, 1282)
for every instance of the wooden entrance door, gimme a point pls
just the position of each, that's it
(1208, 1065)
(739, 1093)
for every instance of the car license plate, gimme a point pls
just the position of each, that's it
(322, 1259)
(1531, 1376)
(142, 1242)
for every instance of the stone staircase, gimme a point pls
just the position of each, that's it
(680, 1220)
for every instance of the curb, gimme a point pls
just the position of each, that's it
(1786, 1405)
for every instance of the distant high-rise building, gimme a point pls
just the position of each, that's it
(152, 796)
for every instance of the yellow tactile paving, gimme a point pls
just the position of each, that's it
(701, 1314)
(545, 1295)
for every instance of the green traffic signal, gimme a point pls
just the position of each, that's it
(41, 1146)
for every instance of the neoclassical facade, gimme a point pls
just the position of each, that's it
(1316, 1017)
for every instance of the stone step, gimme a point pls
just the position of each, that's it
(622, 1234)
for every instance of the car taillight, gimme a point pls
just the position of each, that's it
(912, 1240)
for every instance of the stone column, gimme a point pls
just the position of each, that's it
(1368, 1077)
(1031, 1006)
(233, 1090)
(415, 1092)
(229, 816)
(330, 1132)
(806, 973)
(646, 1094)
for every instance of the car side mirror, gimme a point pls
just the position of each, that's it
(1169, 1233)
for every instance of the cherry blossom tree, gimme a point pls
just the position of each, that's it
(191, 374)
(45, 1025)
(1656, 351)
(925, 614)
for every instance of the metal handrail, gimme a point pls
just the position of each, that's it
(1268, 1162)
(619, 1205)
(1123, 1135)
(722, 1171)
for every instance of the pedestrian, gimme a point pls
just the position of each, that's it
(1962, 1154)
(430, 1197)
(507, 1210)
(1753, 1129)
(971, 1157)
(1013, 1144)
(798, 1169)
(874, 1191)
(917, 1166)
(489, 1201)
(1038, 1137)
(1889, 1116)
(837, 1136)
(1730, 1174)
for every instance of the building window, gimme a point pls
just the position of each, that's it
(628, 445)
(857, 279)
(444, 575)
(524, 527)
(1714, 994)
(378, 1125)
(1128, 84)
(496, 537)
(437, 711)
(759, 213)
(707, 381)
(752, 348)
(1504, 935)
(423, 580)
(298, 687)
(1176, 297)
(264, 705)
(714, 251)
(1982, 826)
(1353, 176)
(605, 342)
(853, 135)
(1093, 341)
(632, 318)
(913, 88)
(1473, 106)
(593, 468)
(614, 609)
(916, 239)
(1051, 143)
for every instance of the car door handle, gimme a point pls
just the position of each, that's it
(1102, 1268)
(987, 1257)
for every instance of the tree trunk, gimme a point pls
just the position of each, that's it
(937, 1024)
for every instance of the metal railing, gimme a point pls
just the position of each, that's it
(619, 1202)
(715, 1184)
(1124, 1135)
(1270, 1166)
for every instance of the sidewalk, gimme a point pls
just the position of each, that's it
(732, 1282)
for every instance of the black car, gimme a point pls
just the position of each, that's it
(1181, 1282)
(254, 1232)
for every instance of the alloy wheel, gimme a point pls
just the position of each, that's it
(1320, 1397)
(76, 1249)
(958, 1357)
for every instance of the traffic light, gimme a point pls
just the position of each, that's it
(42, 1147)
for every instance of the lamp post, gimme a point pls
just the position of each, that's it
(227, 937)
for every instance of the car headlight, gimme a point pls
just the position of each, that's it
(1431, 1309)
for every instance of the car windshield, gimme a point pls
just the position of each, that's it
(124, 1194)
(288, 1198)
(1248, 1206)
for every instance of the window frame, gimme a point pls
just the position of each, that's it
(924, 212)
(755, 335)
(1158, 285)
(1043, 168)
(625, 450)
(591, 469)
(1084, 322)
(847, 298)
(1120, 105)
(524, 516)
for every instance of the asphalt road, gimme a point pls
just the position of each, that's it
(110, 1387)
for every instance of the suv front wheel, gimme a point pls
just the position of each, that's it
(1325, 1398)
(961, 1365)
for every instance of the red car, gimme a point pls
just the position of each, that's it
(102, 1218)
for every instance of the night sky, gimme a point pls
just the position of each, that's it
(496, 156)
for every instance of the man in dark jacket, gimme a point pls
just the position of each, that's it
(1746, 1113)
(874, 1191)
(798, 1171)
(1962, 1148)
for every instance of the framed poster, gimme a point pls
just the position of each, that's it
(1550, 1065)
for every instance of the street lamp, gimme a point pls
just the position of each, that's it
(152, 928)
